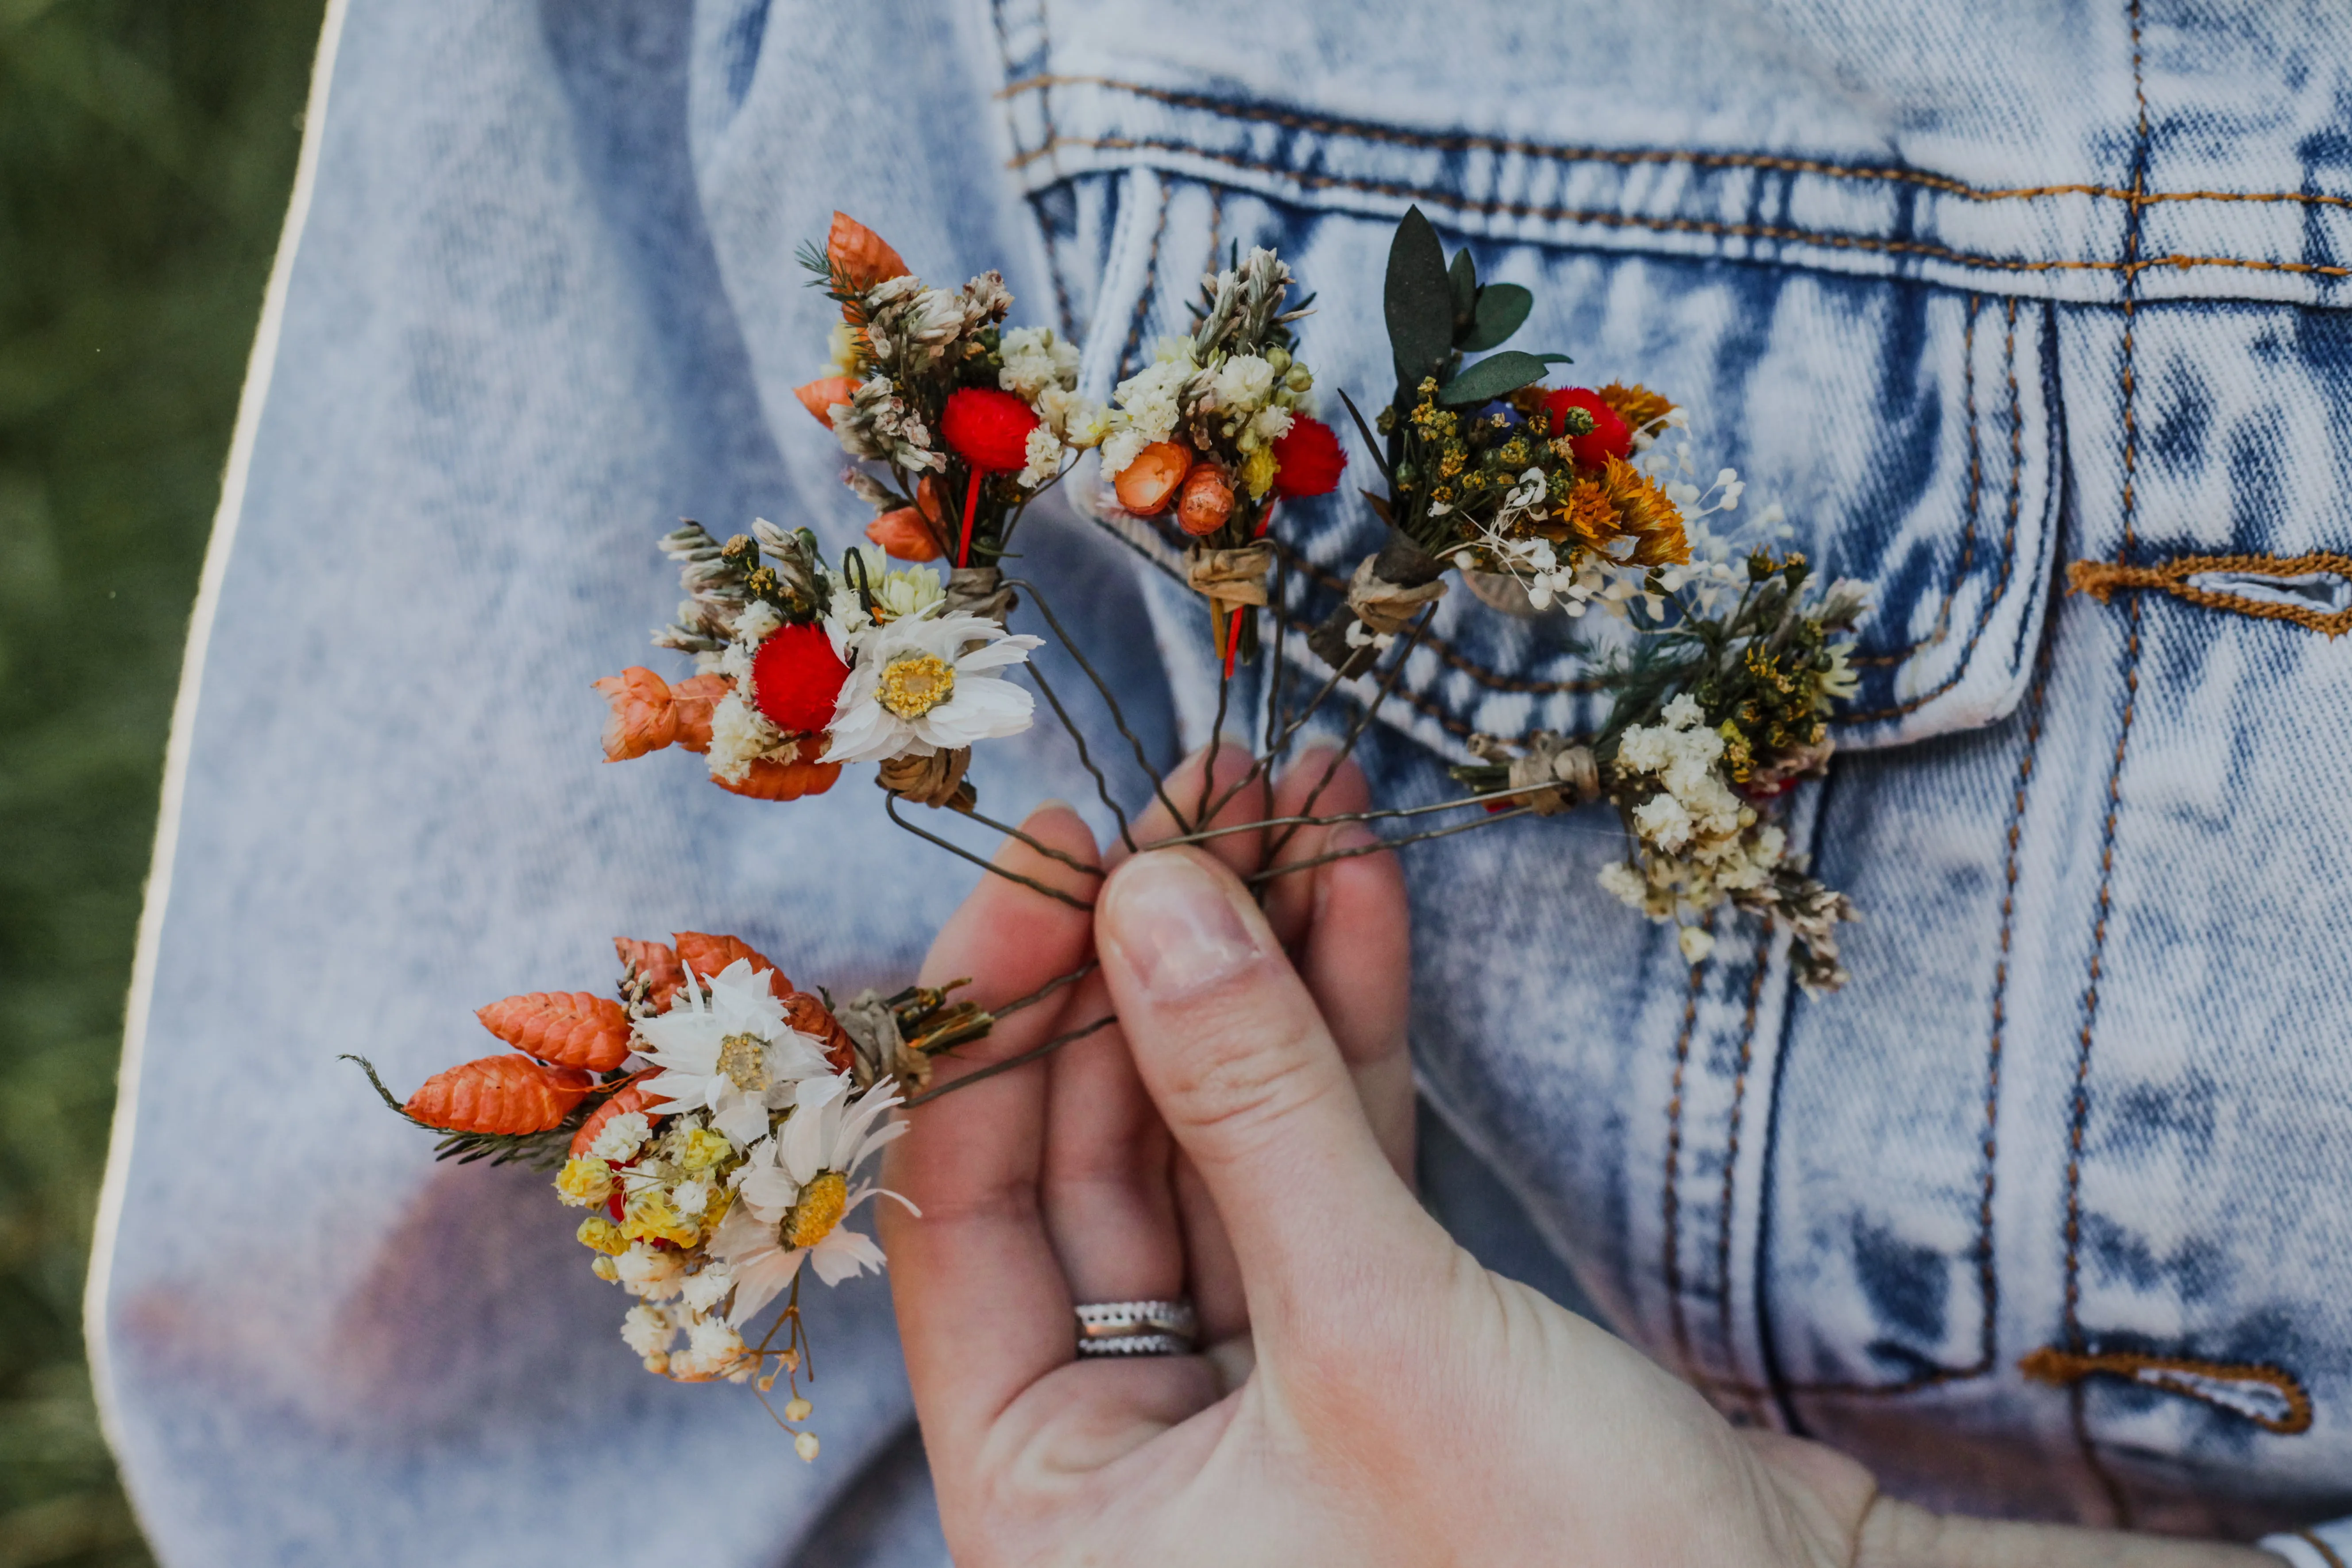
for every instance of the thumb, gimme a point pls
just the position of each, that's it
(1241, 1069)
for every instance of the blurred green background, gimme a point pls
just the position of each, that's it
(147, 148)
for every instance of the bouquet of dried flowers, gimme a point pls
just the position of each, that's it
(713, 1121)
(713, 1118)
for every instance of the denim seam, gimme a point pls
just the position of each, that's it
(1366, 131)
(1732, 1139)
(2129, 269)
(2101, 579)
(2077, 1410)
(1673, 1272)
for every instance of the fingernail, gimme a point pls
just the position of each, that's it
(1175, 926)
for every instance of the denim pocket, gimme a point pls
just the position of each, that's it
(1906, 431)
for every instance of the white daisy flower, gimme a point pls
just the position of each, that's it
(928, 684)
(797, 1194)
(727, 1049)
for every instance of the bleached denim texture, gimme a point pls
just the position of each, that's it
(1974, 291)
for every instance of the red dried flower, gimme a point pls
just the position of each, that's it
(1308, 459)
(796, 678)
(1611, 437)
(988, 428)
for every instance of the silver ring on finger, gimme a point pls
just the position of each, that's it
(1138, 1328)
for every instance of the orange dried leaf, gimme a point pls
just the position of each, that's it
(707, 954)
(654, 963)
(499, 1094)
(771, 780)
(693, 699)
(643, 718)
(912, 532)
(569, 1028)
(628, 1100)
(859, 256)
(812, 1017)
(820, 395)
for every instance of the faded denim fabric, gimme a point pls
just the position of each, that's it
(1974, 292)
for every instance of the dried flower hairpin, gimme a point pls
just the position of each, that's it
(1216, 428)
(714, 1121)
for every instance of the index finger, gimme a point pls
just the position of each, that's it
(977, 1269)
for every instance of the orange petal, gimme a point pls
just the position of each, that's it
(569, 1028)
(694, 698)
(819, 396)
(1146, 485)
(773, 780)
(499, 1094)
(860, 255)
(642, 718)
(903, 533)
(653, 962)
(707, 954)
(630, 1098)
(812, 1017)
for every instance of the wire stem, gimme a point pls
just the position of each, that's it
(1119, 717)
(1072, 861)
(1035, 1053)
(1086, 758)
(1378, 844)
(1362, 722)
(891, 805)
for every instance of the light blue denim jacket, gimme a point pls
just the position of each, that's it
(1975, 292)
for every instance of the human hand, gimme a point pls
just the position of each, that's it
(1367, 1392)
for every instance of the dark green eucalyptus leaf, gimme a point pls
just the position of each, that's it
(1502, 308)
(1497, 375)
(1464, 276)
(1419, 301)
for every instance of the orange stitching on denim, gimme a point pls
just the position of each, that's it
(1400, 189)
(2327, 1553)
(1363, 130)
(1674, 1263)
(2101, 579)
(1731, 1139)
(2062, 1368)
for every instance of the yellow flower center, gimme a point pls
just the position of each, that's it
(822, 1203)
(741, 1064)
(913, 686)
